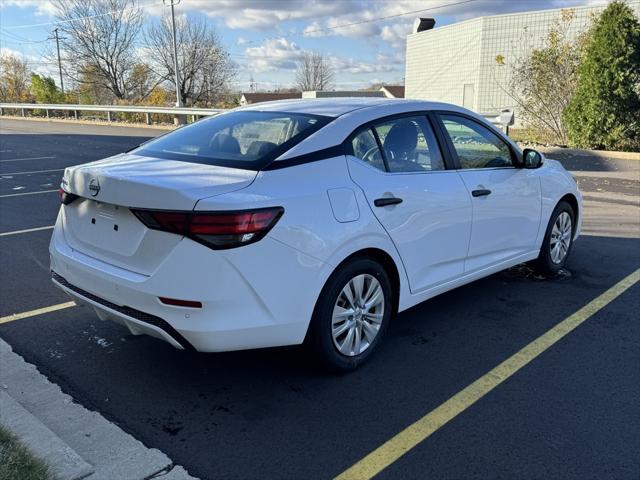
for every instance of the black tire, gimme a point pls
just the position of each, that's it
(544, 263)
(320, 338)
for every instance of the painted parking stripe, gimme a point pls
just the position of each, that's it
(38, 311)
(27, 193)
(28, 230)
(34, 171)
(22, 159)
(414, 434)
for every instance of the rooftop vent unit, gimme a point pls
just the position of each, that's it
(422, 24)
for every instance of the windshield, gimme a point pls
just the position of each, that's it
(243, 139)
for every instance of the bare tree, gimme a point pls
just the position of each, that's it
(314, 72)
(544, 80)
(205, 66)
(14, 79)
(100, 35)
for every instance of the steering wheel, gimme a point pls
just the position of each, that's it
(371, 153)
(495, 162)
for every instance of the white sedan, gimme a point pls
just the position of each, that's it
(305, 221)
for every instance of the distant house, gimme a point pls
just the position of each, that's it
(248, 98)
(393, 91)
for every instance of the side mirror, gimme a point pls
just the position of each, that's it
(532, 158)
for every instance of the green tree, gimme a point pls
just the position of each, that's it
(44, 89)
(605, 109)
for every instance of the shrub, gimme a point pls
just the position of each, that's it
(604, 112)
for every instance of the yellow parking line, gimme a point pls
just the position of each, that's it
(39, 311)
(419, 431)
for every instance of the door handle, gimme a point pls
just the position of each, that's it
(383, 202)
(481, 193)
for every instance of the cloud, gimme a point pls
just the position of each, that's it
(274, 54)
(43, 7)
(396, 34)
(281, 54)
(265, 14)
(350, 65)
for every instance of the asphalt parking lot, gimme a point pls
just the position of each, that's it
(572, 412)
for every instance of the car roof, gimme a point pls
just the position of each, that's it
(336, 106)
(349, 113)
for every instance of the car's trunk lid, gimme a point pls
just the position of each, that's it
(142, 182)
(100, 223)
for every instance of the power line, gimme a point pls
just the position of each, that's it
(18, 38)
(307, 32)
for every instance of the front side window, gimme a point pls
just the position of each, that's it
(476, 146)
(243, 139)
(409, 145)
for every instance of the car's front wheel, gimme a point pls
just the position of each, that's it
(351, 315)
(558, 240)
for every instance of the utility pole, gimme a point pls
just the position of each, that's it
(172, 3)
(177, 119)
(59, 62)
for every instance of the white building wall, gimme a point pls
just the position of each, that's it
(441, 61)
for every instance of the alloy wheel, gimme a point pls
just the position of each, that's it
(357, 315)
(560, 238)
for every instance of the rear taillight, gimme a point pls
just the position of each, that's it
(65, 197)
(217, 230)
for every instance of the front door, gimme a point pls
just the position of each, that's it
(506, 199)
(423, 206)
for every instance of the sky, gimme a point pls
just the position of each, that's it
(364, 39)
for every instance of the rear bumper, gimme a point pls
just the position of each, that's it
(260, 295)
(135, 320)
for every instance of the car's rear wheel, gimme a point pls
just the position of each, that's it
(558, 240)
(351, 315)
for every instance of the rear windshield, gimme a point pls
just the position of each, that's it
(249, 140)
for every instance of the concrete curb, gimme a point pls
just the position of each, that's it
(79, 437)
(42, 442)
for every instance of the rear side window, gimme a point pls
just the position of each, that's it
(408, 145)
(248, 140)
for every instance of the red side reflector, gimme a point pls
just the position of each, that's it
(180, 303)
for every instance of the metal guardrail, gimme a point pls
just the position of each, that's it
(501, 119)
(24, 108)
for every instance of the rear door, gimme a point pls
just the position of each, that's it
(506, 199)
(422, 205)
